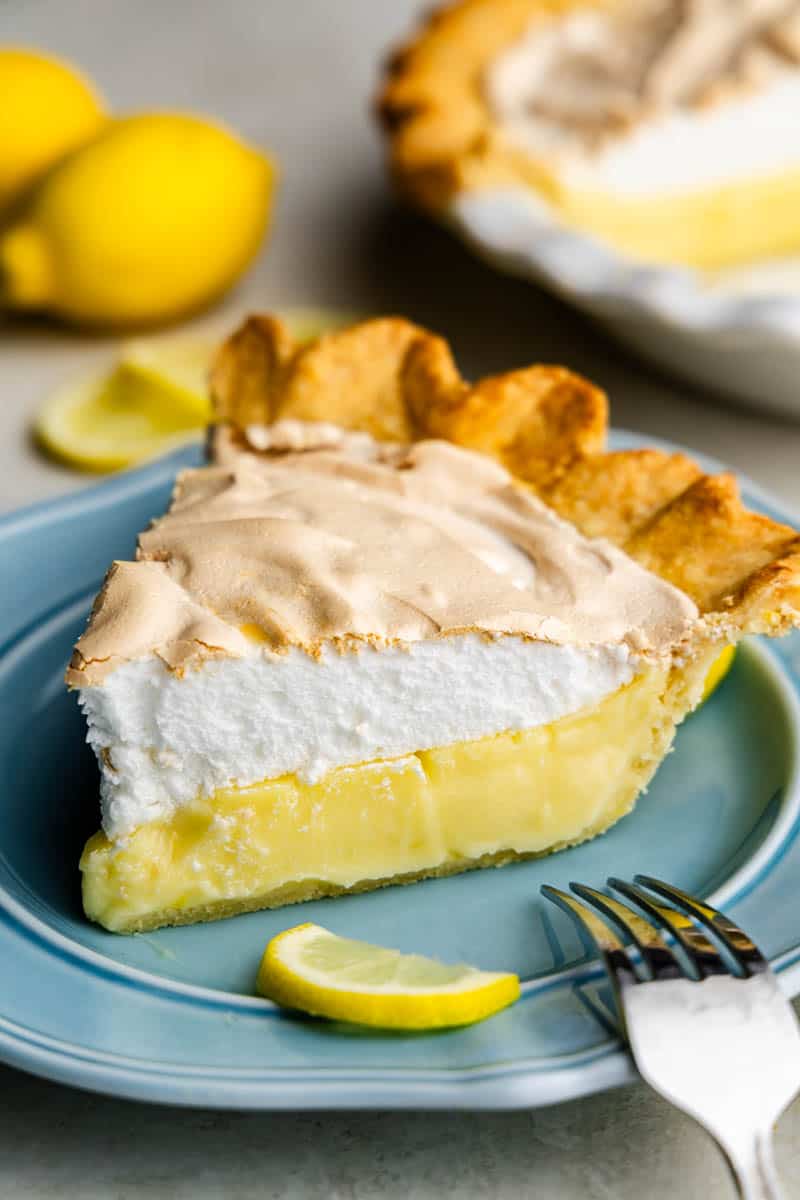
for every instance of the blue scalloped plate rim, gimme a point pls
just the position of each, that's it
(171, 1017)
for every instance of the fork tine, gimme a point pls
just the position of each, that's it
(744, 951)
(703, 954)
(611, 948)
(658, 958)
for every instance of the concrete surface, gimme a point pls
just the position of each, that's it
(297, 76)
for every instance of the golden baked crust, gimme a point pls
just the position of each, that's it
(441, 135)
(548, 426)
(262, 374)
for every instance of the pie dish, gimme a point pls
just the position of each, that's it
(735, 330)
(401, 626)
(667, 130)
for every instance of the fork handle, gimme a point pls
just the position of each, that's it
(754, 1171)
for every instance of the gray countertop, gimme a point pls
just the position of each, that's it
(297, 76)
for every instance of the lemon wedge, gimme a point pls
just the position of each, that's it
(717, 671)
(309, 323)
(153, 400)
(311, 969)
(179, 364)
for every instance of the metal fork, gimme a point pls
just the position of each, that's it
(705, 1019)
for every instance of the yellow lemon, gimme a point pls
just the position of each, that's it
(154, 218)
(311, 969)
(46, 110)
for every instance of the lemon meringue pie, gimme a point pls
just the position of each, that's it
(667, 128)
(401, 626)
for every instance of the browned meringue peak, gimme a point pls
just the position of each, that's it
(597, 70)
(367, 541)
(140, 611)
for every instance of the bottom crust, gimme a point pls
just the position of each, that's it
(436, 813)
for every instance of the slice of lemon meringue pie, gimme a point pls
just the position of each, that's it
(667, 128)
(401, 627)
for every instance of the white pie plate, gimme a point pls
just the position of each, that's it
(739, 335)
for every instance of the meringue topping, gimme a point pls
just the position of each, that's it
(355, 540)
(576, 82)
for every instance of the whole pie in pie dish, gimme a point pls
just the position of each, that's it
(401, 626)
(667, 128)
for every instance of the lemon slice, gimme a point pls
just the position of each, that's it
(717, 671)
(308, 323)
(180, 363)
(312, 969)
(154, 399)
(151, 401)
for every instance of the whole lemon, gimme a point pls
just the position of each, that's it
(46, 110)
(154, 218)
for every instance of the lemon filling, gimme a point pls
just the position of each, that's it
(708, 230)
(435, 812)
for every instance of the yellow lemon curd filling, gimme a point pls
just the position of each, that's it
(436, 812)
(708, 230)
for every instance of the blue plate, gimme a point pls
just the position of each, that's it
(171, 1016)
